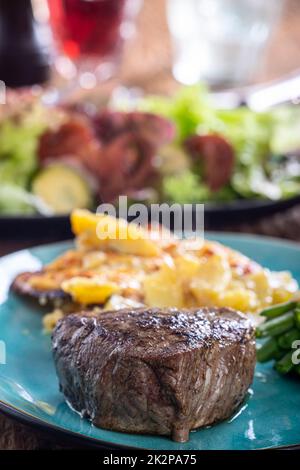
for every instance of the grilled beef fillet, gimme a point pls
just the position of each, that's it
(155, 371)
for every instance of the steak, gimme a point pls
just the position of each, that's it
(155, 371)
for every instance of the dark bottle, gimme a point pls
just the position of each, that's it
(23, 59)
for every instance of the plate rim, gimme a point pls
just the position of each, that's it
(27, 418)
(37, 423)
(210, 233)
(31, 420)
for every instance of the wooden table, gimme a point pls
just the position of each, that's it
(147, 63)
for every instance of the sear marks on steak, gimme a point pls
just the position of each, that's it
(155, 371)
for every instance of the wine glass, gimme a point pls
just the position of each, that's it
(89, 36)
(221, 41)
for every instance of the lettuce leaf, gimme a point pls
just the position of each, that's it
(18, 146)
(187, 189)
(19, 135)
(255, 137)
(14, 200)
(188, 108)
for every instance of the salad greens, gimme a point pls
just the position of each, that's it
(15, 200)
(185, 188)
(263, 149)
(188, 109)
(259, 141)
(19, 134)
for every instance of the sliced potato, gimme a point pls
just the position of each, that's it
(51, 319)
(205, 296)
(214, 272)
(118, 302)
(187, 267)
(242, 299)
(163, 288)
(259, 282)
(89, 291)
(116, 234)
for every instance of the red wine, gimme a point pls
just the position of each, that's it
(87, 27)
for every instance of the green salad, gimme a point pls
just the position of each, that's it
(54, 159)
(20, 130)
(265, 166)
(27, 184)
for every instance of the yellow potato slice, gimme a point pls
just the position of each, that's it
(214, 273)
(116, 234)
(51, 319)
(259, 283)
(284, 286)
(89, 291)
(187, 267)
(242, 299)
(205, 296)
(163, 288)
(118, 302)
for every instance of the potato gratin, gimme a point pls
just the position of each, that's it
(141, 270)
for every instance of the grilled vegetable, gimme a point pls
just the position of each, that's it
(285, 364)
(277, 310)
(297, 316)
(267, 351)
(286, 340)
(276, 326)
(22, 285)
(282, 326)
(62, 188)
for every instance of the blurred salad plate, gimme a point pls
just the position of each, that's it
(180, 149)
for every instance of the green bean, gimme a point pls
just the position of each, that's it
(286, 340)
(285, 364)
(267, 351)
(297, 317)
(279, 354)
(278, 310)
(276, 326)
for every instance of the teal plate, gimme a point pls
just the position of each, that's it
(270, 416)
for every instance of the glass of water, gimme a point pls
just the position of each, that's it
(221, 41)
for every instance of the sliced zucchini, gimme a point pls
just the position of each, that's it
(62, 188)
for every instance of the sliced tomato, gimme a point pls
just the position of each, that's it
(217, 157)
